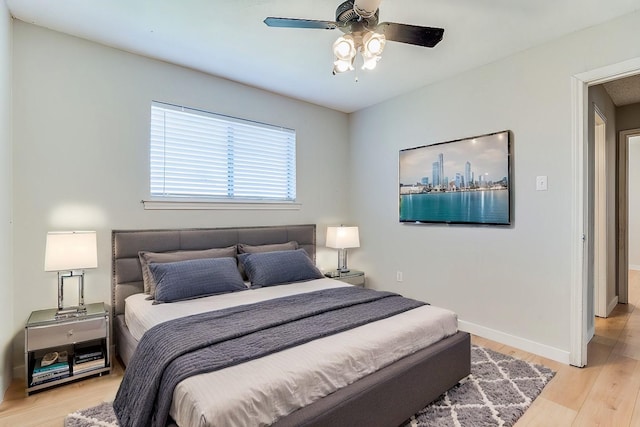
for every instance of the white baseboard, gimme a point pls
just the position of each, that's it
(543, 350)
(634, 267)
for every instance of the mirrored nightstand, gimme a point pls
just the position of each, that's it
(84, 341)
(353, 277)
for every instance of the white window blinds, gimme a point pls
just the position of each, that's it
(199, 155)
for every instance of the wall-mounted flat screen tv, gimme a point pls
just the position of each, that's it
(466, 181)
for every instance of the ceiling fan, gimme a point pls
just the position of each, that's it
(358, 19)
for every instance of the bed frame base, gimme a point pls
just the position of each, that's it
(385, 397)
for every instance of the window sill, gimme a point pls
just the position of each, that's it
(218, 205)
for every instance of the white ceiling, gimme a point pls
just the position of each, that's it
(228, 38)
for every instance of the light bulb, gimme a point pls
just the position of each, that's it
(373, 43)
(344, 47)
(370, 62)
(341, 65)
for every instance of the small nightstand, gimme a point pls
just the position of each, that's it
(353, 277)
(85, 339)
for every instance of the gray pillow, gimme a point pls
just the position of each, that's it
(147, 258)
(243, 248)
(274, 268)
(182, 280)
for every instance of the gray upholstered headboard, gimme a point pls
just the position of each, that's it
(125, 244)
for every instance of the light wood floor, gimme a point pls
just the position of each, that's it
(605, 393)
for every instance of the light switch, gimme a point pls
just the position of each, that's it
(541, 183)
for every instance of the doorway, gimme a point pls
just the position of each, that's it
(582, 307)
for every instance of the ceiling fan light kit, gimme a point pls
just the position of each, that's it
(346, 47)
(358, 19)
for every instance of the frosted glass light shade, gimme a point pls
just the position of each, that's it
(373, 44)
(343, 237)
(70, 250)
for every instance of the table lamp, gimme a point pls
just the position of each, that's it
(69, 253)
(342, 238)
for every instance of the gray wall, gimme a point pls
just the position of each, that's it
(81, 135)
(509, 284)
(6, 266)
(628, 117)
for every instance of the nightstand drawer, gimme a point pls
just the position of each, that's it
(67, 333)
(354, 280)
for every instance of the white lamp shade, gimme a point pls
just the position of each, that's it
(70, 250)
(343, 237)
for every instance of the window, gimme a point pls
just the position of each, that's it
(196, 155)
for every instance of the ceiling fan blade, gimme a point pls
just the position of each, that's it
(412, 34)
(300, 23)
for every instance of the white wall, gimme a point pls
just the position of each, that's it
(81, 132)
(6, 266)
(510, 284)
(634, 202)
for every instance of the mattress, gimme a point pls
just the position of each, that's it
(261, 391)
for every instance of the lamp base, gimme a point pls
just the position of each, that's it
(67, 312)
(342, 261)
(74, 310)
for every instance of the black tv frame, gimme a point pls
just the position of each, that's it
(447, 181)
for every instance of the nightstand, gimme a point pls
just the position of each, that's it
(353, 277)
(85, 339)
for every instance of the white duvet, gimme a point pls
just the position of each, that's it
(261, 391)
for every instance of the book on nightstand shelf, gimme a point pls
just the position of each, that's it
(43, 374)
(38, 368)
(88, 354)
(88, 359)
(41, 380)
(79, 368)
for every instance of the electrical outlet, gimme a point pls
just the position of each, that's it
(398, 276)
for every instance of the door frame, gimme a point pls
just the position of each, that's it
(581, 193)
(600, 215)
(622, 243)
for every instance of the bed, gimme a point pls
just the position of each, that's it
(396, 386)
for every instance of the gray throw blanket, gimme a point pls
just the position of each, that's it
(175, 350)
